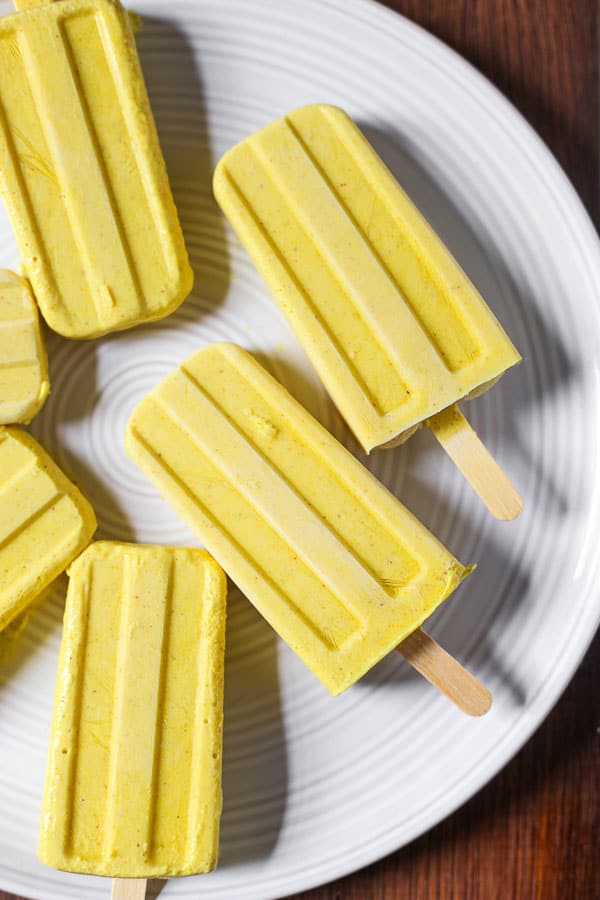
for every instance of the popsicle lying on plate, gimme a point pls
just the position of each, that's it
(81, 170)
(393, 326)
(133, 783)
(24, 381)
(335, 563)
(45, 521)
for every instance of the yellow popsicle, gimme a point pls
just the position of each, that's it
(337, 565)
(45, 521)
(81, 170)
(133, 785)
(393, 326)
(24, 381)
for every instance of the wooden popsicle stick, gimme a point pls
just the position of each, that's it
(445, 673)
(128, 889)
(474, 460)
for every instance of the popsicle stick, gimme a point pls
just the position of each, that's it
(445, 673)
(128, 889)
(474, 460)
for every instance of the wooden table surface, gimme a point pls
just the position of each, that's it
(534, 832)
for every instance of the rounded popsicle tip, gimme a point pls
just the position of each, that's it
(507, 505)
(478, 702)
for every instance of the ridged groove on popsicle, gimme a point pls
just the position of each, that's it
(133, 785)
(80, 186)
(333, 625)
(309, 542)
(45, 521)
(120, 257)
(344, 318)
(26, 494)
(338, 158)
(24, 381)
(273, 495)
(390, 321)
(131, 800)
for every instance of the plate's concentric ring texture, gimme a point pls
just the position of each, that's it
(316, 787)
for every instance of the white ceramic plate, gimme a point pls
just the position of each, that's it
(316, 787)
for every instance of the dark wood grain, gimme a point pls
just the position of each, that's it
(531, 834)
(543, 54)
(534, 832)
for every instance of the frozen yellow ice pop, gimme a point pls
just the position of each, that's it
(133, 784)
(331, 559)
(81, 170)
(24, 381)
(45, 521)
(392, 324)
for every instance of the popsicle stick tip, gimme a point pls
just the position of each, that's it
(435, 664)
(511, 507)
(483, 703)
(476, 463)
(128, 889)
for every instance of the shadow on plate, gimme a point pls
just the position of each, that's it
(535, 781)
(33, 628)
(113, 523)
(174, 82)
(465, 613)
(468, 611)
(301, 386)
(82, 399)
(255, 772)
(154, 887)
(525, 387)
